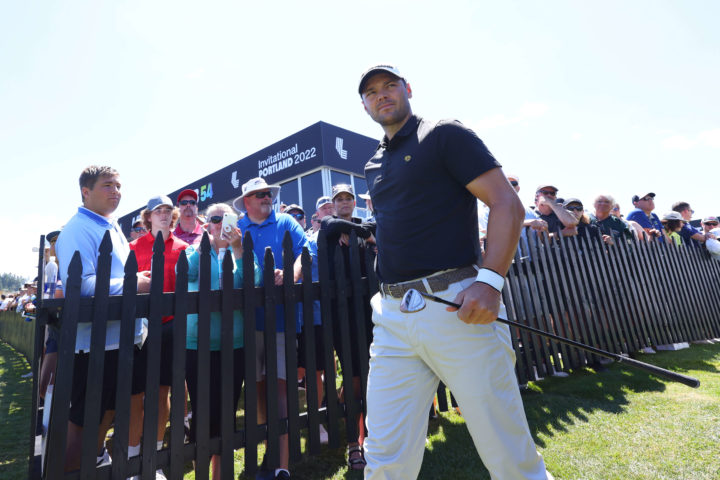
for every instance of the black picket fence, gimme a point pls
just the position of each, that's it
(621, 298)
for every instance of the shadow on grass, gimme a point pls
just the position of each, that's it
(555, 403)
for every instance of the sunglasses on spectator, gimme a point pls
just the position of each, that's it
(216, 219)
(712, 224)
(138, 229)
(547, 193)
(187, 202)
(267, 194)
(646, 199)
(298, 216)
(577, 208)
(513, 183)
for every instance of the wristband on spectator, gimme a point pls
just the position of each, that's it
(490, 277)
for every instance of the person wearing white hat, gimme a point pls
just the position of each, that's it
(268, 229)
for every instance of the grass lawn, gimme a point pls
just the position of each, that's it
(620, 423)
(14, 414)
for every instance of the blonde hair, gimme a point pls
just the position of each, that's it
(145, 215)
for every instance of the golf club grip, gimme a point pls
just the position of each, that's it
(678, 377)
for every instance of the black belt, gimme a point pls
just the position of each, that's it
(437, 283)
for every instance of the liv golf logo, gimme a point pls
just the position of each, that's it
(339, 148)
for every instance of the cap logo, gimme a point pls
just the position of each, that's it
(408, 158)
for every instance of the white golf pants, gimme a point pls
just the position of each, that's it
(410, 353)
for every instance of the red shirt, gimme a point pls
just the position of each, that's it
(143, 253)
(192, 238)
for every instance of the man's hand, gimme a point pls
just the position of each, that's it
(569, 231)
(143, 285)
(537, 224)
(278, 277)
(608, 239)
(344, 239)
(480, 303)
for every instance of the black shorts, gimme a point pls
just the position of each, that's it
(216, 378)
(166, 354)
(356, 350)
(319, 348)
(109, 382)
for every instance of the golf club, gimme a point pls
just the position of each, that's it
(414, 301)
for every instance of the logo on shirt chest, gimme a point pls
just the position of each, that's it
(407, 158)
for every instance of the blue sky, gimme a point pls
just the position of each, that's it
(613, 96)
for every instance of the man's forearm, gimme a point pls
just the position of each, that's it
(565, 217)
(503, 232)
(297, 269)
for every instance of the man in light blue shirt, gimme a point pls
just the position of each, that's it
(100, 189)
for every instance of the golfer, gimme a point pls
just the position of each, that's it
(424, 180)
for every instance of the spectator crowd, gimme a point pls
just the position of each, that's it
(181, 227)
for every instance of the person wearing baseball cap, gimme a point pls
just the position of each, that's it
(296, 211)
(552, 213)
(644, 216)
(337, 230)
(159, 218)
(709, 223)
(189, 229)
(437, 248)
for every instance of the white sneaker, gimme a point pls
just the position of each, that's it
(103, 458)
(323, 435)
(159, 475)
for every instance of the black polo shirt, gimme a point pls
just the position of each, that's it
(553, 222)
(426, 218)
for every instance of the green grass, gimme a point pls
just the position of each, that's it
(14, 414)
(620, 423)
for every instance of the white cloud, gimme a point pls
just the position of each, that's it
(526, 112)
(706, 138)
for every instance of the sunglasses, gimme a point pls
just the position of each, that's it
(134, 229)
(577, 208)
(712, 224)
(513, 183)
(646, 199)
(216, 219)
(547, 193)
(187, 202)
(298, 216)
(263, 194)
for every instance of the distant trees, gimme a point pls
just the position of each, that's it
(9, 282)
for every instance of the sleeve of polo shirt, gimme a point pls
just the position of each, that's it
(299, 240)
(75, 239)
(464, 155)
(193, 259)
(636, 216)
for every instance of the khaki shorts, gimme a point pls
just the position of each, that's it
(260, 363)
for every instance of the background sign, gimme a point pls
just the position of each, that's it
(319, 145)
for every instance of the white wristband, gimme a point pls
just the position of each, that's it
(494, 279)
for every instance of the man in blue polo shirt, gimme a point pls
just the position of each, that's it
(100, 190)
(267, 229)
(644, 216)
(425, 179)
(690, 235)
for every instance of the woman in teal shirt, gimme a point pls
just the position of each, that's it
(225, 244)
